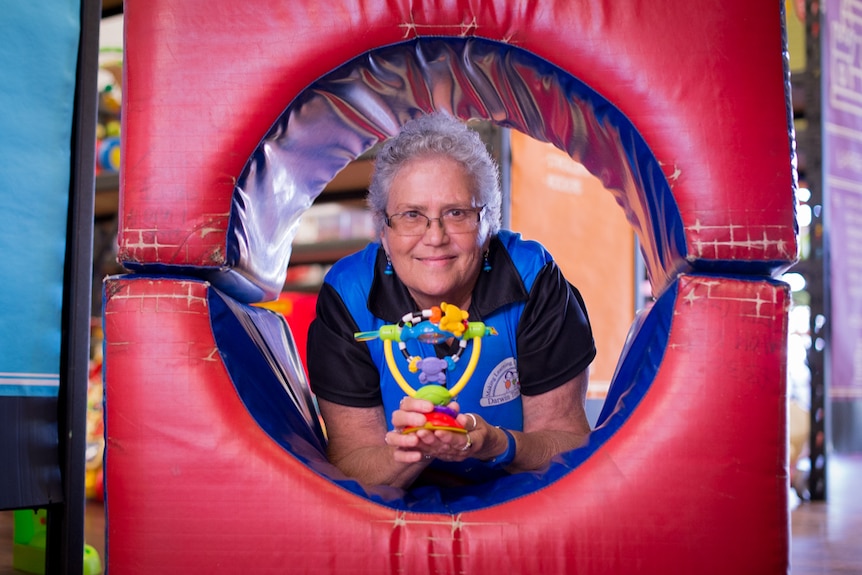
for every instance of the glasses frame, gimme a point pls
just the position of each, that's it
(387, 218)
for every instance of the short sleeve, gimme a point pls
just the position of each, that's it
(340, 369)
(554, 339)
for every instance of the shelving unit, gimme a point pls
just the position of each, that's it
(107, 195)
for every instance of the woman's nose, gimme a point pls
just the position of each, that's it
(436, 229)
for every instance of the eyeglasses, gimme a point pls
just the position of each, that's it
(453, 220)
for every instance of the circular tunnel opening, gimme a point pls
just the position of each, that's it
(365, 101)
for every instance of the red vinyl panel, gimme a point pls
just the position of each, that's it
(694, 482)
(704, 82)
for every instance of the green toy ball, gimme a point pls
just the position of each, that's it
(436, 394)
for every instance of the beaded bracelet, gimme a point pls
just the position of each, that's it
(505, 458)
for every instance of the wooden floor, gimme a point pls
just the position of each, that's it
(826, 536)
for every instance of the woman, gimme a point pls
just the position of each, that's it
(436, 202)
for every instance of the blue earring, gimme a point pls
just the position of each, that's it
(486, 267)
(388, 271)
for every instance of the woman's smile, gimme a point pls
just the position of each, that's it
(436, 261)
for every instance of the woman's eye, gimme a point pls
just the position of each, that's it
(411, 215)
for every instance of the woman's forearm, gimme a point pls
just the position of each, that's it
(534, 450)
(376, 465)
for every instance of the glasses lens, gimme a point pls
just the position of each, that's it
(460, 220)
(409, 223)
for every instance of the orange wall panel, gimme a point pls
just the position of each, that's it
(558, 203)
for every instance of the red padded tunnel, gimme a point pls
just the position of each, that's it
(692, 480)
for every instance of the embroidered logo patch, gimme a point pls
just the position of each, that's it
(502, 385)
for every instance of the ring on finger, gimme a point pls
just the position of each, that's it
(468, 444)
(472, 417)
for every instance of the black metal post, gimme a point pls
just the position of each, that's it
(818, 259)
(65, 544)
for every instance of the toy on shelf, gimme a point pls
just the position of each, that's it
(433, 326)
(109, 110)
(109, 155)
(95, 430)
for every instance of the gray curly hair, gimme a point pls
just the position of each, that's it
(438, 133)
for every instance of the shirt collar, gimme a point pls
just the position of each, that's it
(389, 299)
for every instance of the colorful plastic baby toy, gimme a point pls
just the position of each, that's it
(433, 326)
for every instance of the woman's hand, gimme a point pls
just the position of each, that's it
(426, 444)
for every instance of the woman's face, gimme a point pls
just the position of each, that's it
(436, 266)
